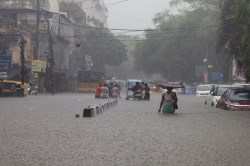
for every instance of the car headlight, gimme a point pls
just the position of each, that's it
(232, 107)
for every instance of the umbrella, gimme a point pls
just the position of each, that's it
(172, 85)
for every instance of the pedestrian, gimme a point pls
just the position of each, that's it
(104, 91)
(168, 102)
(147, 92)
(110, 87)
(98, 91)
(115, 92)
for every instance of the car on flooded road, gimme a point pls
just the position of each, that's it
(153, 86)
(189, 90)
(215, 94)
(203, 90)
(235, 99)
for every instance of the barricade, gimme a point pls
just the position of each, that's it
(98, 109)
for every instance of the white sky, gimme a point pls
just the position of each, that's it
(133, 14)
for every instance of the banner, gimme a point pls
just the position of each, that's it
(38, 66)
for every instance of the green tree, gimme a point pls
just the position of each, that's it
(104, 47)
(235, 32)
(242, 15)
(179, 43)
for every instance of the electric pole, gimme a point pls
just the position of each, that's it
(22, 44)
(50, 61)
(37, 30)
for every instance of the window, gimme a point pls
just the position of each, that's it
(240, 95)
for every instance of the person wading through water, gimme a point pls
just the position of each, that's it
(168, 102)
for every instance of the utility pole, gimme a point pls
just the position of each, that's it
(22, 44)
(50, 61)
(37, 30)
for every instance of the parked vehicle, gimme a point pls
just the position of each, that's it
(215, 94)
(235, 99)
(153, 86)
(203, 90)
(138, 95)
(189, 90)
(13, 88)
(242, 85)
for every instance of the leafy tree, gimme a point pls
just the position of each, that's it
(242, 15)
(103, 47)
(235, 32)
(175, 50)
(198, 3)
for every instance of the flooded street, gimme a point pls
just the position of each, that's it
(43, 130)
(65, 55)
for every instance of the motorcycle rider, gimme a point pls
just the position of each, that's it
(137, 89)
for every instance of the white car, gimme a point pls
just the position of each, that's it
(215, 94)
(203, 90)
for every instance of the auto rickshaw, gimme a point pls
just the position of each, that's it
(130, 94)
(13, 88)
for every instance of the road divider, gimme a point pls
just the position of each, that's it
(100, 108)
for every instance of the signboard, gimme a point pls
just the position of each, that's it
(38, 66)
(5, 60)
(3, 75)
(216, 76)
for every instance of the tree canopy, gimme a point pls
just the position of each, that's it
(180, 43)
(104, 47)
(235, 32)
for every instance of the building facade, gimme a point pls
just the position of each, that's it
(61, 27)
(93, 9)
(54, 34)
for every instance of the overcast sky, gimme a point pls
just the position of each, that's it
(133, 14)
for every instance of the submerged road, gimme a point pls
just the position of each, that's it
(42, 130)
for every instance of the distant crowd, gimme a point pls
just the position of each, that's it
(108, 90)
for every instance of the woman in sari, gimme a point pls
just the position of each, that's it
(168, 102)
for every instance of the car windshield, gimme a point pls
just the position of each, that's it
(204, 88)
(221, 90)
(240, 95)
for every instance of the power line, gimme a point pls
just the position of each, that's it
(113, 3)
(131, 30)
(105, 38)
(139, 30)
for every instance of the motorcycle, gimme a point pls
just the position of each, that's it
(32, 91)
(138, 95)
